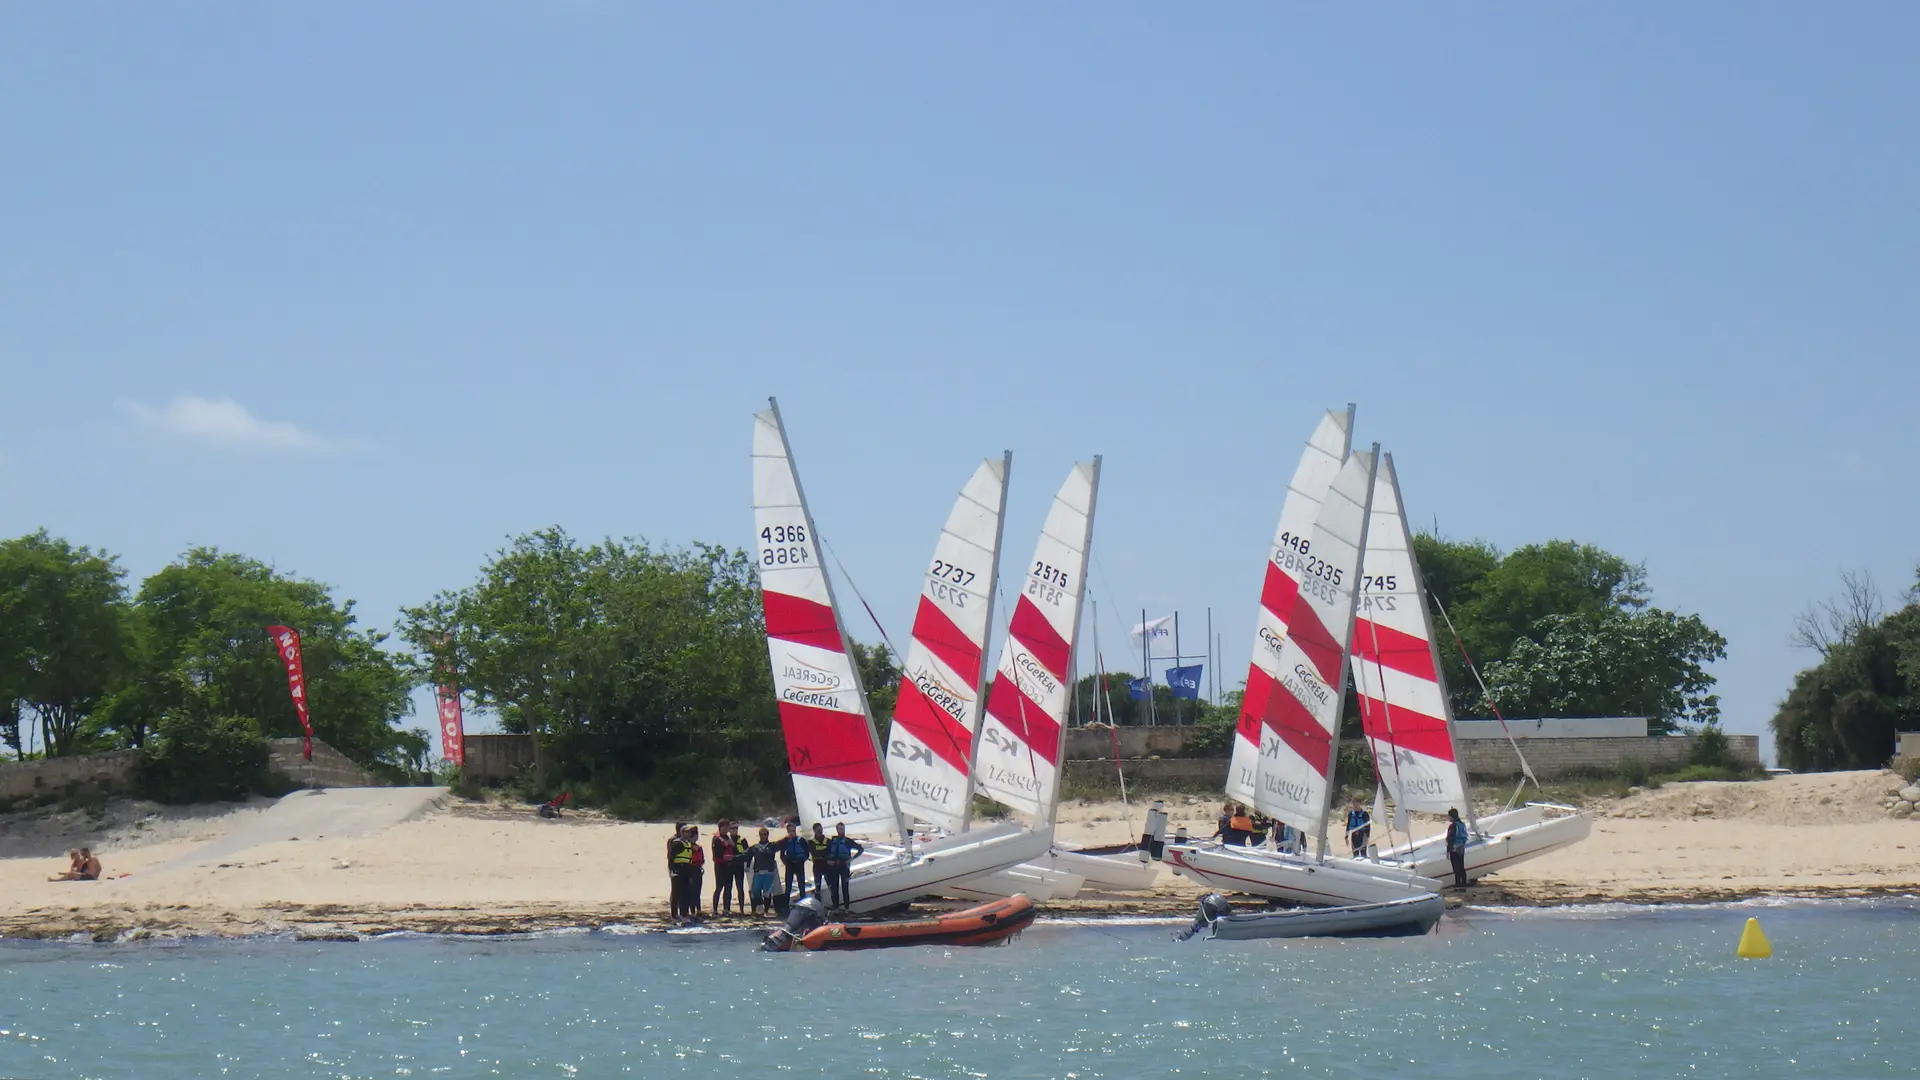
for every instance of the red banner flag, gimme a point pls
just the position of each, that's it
(453, 736)
(286, 641)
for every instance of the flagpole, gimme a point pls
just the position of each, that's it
(1146, 662)
(1177, 661)
(1213, 688)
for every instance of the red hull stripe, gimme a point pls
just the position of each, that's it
(1414, 731)
(932, 628)
(829, 744)
(1007, 704)
(803, 622)
(933, 725)
(1397, 650)
(1289, 720)
(1040, 638)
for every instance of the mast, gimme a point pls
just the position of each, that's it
(980, 684)
(1433, 648)
(846, 643)
(1346, 652)
(1086, 561)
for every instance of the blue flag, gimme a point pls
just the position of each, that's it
(1185, 681)
(1138, 689)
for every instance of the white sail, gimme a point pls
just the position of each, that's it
(1023, 733)
(823, 708)
(1396, 668)
(1319, 463)
(1293, 782)
(930, 746)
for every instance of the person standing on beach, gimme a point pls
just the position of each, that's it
(1359, 827)
(794, 851)
(679, 862)
(696, 871)
(740, 860)
(841, 851)
(723, 856)
(761, 855)
(1239, 827)
(1457, 847)
(817, 847)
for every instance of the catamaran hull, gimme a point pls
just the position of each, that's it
(1299, 878)
(1036, 882)
(1408, 917)
(895, 877)
(1118, 872)
(1510, 838)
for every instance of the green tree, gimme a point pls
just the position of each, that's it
(63, 613)
(642, 673)
(880, 674)
(1648, 663)
(1843, 712)
(203, 656)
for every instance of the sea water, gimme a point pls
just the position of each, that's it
(1599, 993)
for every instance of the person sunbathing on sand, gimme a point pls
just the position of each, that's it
(83, 865)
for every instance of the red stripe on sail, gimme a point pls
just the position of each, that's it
(1295, 726)
(801, 621)
(1414, 731)
(1011, 706)
(1248, 726)
(1040, 638)
(1315, 640)
(1279, 592)
(1395, 649)
(961, 654)
(829, 744)
(933, 725)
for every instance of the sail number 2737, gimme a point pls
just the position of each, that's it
(783, 545)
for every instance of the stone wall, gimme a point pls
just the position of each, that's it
(1558, 757)
(1095, 744)
(1907, 744)
(28, 781)
(493, 759)
(331, 768)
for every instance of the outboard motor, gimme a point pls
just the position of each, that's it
(802, 917)
(1153, 842)
(1212, 906)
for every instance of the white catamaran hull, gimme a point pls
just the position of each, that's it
(1037, 882)
(1299, 878)
(1506, 839)
(889, 876)
(1122, 872)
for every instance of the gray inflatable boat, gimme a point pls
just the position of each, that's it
(1410, 917)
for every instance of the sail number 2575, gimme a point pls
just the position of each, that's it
(783, 545)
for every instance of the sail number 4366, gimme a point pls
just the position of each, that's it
(785, 545)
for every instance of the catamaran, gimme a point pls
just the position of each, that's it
(824, 714)
(1405, 711)
(1294, 691)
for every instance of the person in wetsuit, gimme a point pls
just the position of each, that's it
(761, 857)
(696, 870)
(1359, 828)
(679, 862)
(1457, 847)
(817, 850)
(794, 852)
(841, 851)
(740, 861)
(1239, 827)
(723, 858)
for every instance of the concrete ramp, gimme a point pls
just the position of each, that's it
(329, 813)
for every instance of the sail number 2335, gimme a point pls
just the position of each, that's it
(783, 545)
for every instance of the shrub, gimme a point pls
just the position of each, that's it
(1710, 747)
(1695, 773)
(1907, 767)
(1634, 771)
(192, 759)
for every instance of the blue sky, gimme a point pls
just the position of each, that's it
(363, 292)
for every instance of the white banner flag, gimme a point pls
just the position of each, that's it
(1156, 632)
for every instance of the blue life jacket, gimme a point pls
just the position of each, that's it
(844, 848)
(796, 849)
(1358, 819)
(1456, 836)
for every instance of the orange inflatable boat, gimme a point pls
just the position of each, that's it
(987, 924)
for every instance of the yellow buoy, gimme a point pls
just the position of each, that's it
(1753, 942)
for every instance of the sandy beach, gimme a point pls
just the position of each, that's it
(418, 859)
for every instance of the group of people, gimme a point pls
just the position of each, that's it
(735, 858)
(1239, 828)
(82, 865)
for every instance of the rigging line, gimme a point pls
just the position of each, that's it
(1386, 711)
(898, 656)
(1526, 771)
